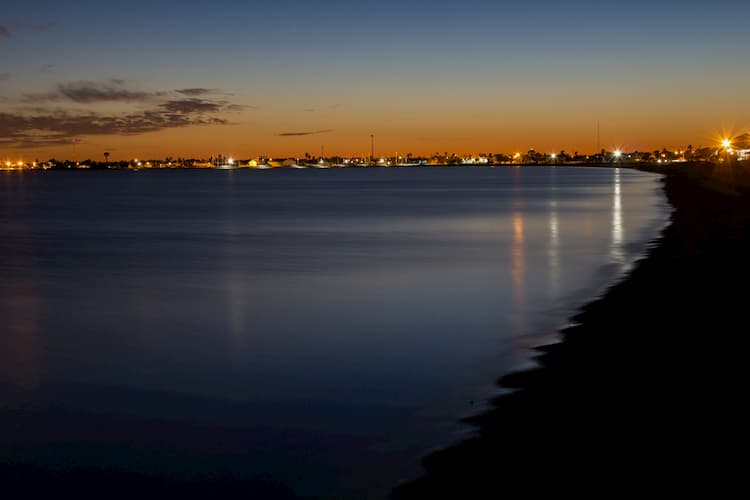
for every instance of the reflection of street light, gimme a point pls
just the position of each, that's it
(726, 145)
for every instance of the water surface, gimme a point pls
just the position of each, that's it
(321, 328)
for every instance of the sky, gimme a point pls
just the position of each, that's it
(152, 79)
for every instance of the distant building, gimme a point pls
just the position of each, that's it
(741, 145)
(282, 162)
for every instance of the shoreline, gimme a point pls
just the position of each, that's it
(644, 381)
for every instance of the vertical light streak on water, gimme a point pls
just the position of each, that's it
(553, 252)
(518, 257)
(617, 253)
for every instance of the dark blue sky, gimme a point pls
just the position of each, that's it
(459, 74)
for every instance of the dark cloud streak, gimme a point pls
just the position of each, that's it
(4, 32)
(195, 91)
(86, 92)
(296, 134)
(114, 90)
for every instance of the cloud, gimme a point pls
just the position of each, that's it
(4, 31)
(86, 92)
(295, 134)
(115, 90)
(4, 76)
(193, 105)
(62, 127)
(195, 91)
(41, 124)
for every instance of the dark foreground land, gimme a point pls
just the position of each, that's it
(645, 394)
(647, 390)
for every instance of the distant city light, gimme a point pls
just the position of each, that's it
(230, 161)
(553, 156)
(618, 153)
(726, 143)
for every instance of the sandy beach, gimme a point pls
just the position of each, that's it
(644, 390)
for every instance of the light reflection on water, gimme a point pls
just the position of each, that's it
(554, 249)
(338, 321)
(617, 252)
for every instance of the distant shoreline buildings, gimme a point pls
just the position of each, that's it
(727, 150)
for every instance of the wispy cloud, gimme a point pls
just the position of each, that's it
(295, 134)
(4, 31)
(87, 92)
(60, 127)
(195, 91)
(4, 76)
(46, 124)
(116, 90)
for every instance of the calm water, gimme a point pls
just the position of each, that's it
(321, 328)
